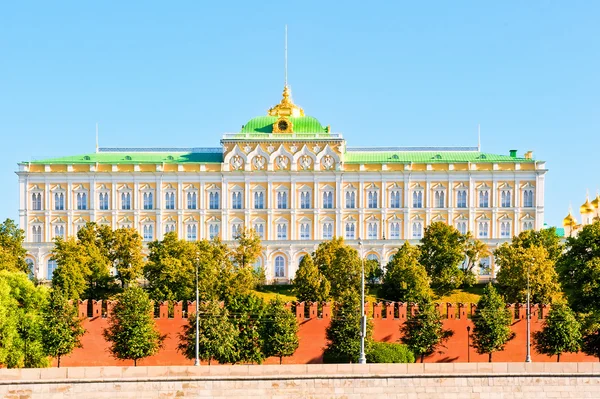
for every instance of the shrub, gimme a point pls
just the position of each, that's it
(389, 352)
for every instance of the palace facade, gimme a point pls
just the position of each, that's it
(292, 180)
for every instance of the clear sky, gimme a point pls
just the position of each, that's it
(382, 73)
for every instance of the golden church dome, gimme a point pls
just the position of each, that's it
(569, 221)
(596, 201)
(587, 207)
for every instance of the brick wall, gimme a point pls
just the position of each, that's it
(313, 320)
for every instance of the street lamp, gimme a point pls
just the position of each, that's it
(468, 344)
(197, 359)
(528, 356)
(363, 319)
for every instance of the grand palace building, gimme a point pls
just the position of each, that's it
(292, 180)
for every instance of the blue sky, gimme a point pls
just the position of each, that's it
(390, 73)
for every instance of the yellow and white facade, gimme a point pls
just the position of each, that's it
(293, 181)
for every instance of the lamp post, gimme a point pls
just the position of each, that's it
(197, 359)
(468, 344)
(528, 356)
(363, 320)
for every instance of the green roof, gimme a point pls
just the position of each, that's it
(301, 124)
(560, 232)
(426, 157)
(137, 158)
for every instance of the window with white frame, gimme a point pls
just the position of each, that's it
(504, 229)
(282, 231)
(282, 197)
(484, 198)
(527, 225)
(305, 231)
(327, 231)
(125, 223)
(395, 230)
(148, 232)
(417, 230)
(213, 230)
(259, 228)
(213, 200)
(191, 232)
(417, 199)
(81, 201)
(461, 226)
(36, 233)
(328, 199)
(395, 200)
(304, 199)
(59, 201)
(125, 201)
(59, 231)
(169, 227)
(372, 198)
(170, 200)
(236, 230)
(30, 268)
(51, 267)
(148, 200)
(483, 229)
(350, 230)
(36, 201)
(192, 200)
(439, 197)
(236, 200)
(259, 200)
(484, 266)
(372, 231)
(350, 199)
(103, 201)
(279, 266)
(528, 198)
(505, 200)
(461, 199)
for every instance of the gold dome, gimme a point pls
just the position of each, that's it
(569, 221)
(586, 208)
(596, 201)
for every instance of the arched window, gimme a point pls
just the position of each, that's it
(461, 227)
(148, 201)
(148, 232)
(395, 199)
(36, 232)
(372, 231)
(30, 268)
(279, 266)
(59, 202)
(59, 231)
(51, 268)
(282, 231)
(417, 199)
(36, 201)
(236, 200)
(213, 200)
(350, 230)
(213, 230)
(439, 198)
(505, 199)
(461, 199)
(259, 200)
(327, 231)
(259, 228)
(81, 201)
(527, 226)
(170, 200)
(192, 232)
(372, 199)
(417, 230)
(236, 230)
(304, 231)
(282, 200)
(528, 198)
(192, 200)
(328, 200)
(504, 229)
(125, 201)
(304, 200)
(483, 228)
(350, 199)
(484, 199)
(169, 227)
(395, 230)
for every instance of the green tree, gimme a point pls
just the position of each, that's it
(373, 271)
(131, 331)
(279, 331)
(217, 335)
(591, 335)
(247, 249)
(514, 263)
(579, 269)
(71, 274)
(405, 279)
(309, 284)
(424, 332)
(442, 252)
(561, 332)
(492, 321)
(12, 253)
(546, 238)
(21, 321)
(247, 315)
(475, 251)
(390, 352)
(343, 333)
(340, 264)
(94, 243)
(61, 330)
(125, 253)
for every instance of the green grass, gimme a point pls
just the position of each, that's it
(269, 292)
(465, 295)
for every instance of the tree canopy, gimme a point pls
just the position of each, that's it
(12, 253)
(340, 264)
(279, 331)
(310, 285)
(561, 332)
(405, 279)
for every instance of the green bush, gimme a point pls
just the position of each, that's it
(389, 352)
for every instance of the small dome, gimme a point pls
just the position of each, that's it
(569, 221)
(596, 201)
(586, 208)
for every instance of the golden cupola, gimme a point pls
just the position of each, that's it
(596, 201)
(587, 207)
(286, 107)
(569, 221)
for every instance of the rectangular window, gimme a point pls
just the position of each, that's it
(461, 227)
(350, 231)
(372, 199)
(417, 199)
(328, 200)
(126, 201)
(484, 199)
(504, 229)
(505, 199)
(59, 202)
(192, 200)
(170, 200)
(259, 200)
(148, 201)
(236, 200)
(148, 232)
(461, 199)
(305, 231)
(372, 231)
(192, 231)
(213, 200)
(350, 199)
(36, 201)
(327, 231)
(103, 201)
(236, 229)
(282, 231)
(282, 200)
(259, 228)
(213, 230)
(81, 201)
(304, 200)
(417, 230)
(394, 230)
(439, 197)
(483, 229)
(395, 199)
(528, 198)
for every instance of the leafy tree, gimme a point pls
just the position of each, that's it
(125, 253)
(21, 321)
(591, 335)
(340, 264)
(492, 321)
(247, 315)
(373, 271)
(71, 274)
(579, 269)
(390, 352)
(475, 251)
(546, 238)
(94, 242)
(561, 332)
(62, 330)
(217, 335)
(424, 332)
(405, 279)
(279, 331)
(514, 263)
(12, 253)
(343, 333)
(309, 283)
(131, 329)
(247, 249)
(442, 252)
